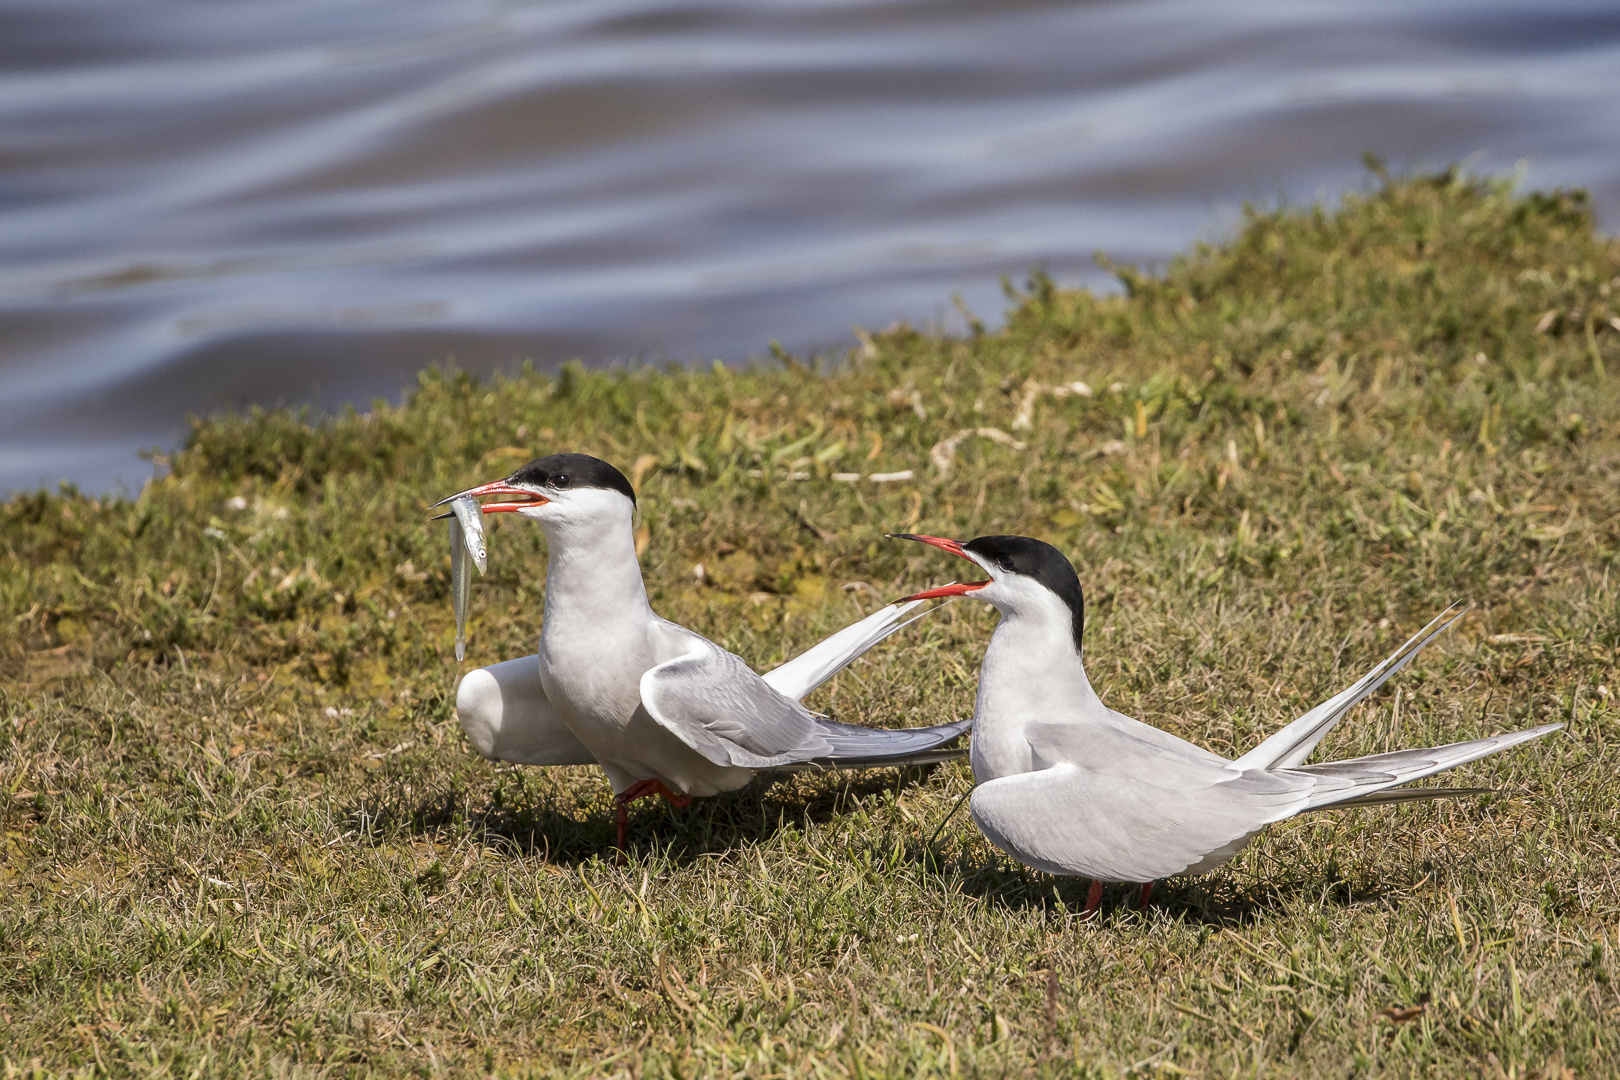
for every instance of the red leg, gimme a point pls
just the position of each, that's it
(1093, 898)
(1147, 894)
(640, 790)
(621, 818)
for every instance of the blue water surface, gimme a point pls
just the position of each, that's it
(206, 204)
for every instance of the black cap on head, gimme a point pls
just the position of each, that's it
(567, 471)
(1041, 561)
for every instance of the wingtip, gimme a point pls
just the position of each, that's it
(1445, 620)
(1524, 735)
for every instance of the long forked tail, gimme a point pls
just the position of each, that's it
(822, 661)
(868, 748)
(1374, 779)
(1294, 743)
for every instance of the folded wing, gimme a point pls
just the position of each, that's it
(1115, 807)
(719, 706)
(716, 704)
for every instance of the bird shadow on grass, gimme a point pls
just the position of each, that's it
(1218, 900)
(536, 826)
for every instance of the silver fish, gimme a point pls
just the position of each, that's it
(471, 516)
(460, 583)
(467, 550)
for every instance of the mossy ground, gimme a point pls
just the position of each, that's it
(243, 833)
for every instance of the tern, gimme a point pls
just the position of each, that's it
(663, 710)
(1067, 785)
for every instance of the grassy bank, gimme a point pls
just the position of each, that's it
(243, 832)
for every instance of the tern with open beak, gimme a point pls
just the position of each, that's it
(1067, 785)
(661, 709)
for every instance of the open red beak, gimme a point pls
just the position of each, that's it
(499, 487)
(955, 548)
(956, 589)
(952, 546)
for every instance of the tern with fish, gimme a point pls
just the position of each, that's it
(661, 709)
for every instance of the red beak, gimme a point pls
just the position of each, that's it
(957, 589)
(952, 546)
(955, 548)
(500, 487)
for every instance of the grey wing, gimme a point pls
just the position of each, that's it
(1376, 778)
(719, 706)
(504, 710)
(1119, 808)
(820, 662)
(856, 747)
(1294, 743)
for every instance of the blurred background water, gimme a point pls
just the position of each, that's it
(206, 204)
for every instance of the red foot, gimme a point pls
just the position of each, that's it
(643, 788)
(640, 790)
(1093, 898)
(1147, 894)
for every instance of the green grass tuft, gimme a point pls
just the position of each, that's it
(243, 833)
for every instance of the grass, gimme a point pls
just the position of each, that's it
(243, 833)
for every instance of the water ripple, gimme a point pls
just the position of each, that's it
(206, 206)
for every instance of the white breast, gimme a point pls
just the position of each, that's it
(594, 674)
(1031, 674)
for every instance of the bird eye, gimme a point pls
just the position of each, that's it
(560, 480)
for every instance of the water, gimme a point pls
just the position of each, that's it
(213, 204)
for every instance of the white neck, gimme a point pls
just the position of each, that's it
(593, 576)
(1032, 672)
